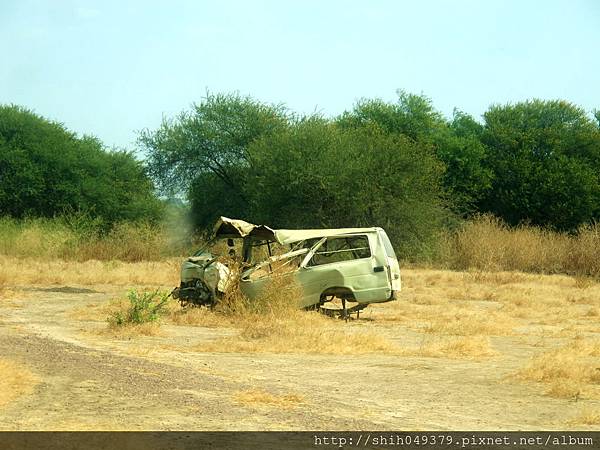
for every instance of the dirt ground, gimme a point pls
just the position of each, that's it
(82, 378)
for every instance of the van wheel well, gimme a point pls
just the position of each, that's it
(339, 292)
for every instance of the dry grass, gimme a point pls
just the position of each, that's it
(488, 245)
(3, 280)
(132, 330)
(583, 282)
(593, 312)
(586, 417)
(5, 291)
(28, 271)
(191, 316)
(459, 311)
(571, 370)
(485, 244)
(454, 311)
(80, 238)
(272, 323)
(447, 308)
(496, 278)
(514, 299)
(452, 347)
(565, 389)
(17, 380)
(449, 305)
(125, 242)
(92, 312)
(307, 333)
(440, 314)
(258, 397)
(313, 333)
(465, 322)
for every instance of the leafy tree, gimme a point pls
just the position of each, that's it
(235, 156)
(467, 177)
(457, 144)
(203, 152)
(413, 116)
(45, 170)
(545, 156)
(317, 174)
(211, 197)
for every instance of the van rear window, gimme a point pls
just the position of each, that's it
(389, 250)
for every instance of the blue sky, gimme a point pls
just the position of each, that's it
(111, 68)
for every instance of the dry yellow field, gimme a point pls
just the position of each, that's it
(459, 350)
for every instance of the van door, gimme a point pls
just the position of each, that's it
(346, 261)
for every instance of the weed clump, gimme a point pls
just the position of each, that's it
(143, 307)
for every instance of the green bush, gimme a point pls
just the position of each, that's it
(47, 171)
(545, 157)
(318, 175)
(143, 307)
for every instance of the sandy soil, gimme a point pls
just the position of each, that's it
(89, 380)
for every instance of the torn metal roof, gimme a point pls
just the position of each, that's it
(235, 228)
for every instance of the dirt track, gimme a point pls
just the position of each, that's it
(89, 381)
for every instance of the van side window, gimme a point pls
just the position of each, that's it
(339, 249)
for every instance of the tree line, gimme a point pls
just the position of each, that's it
(48, 171)
(401, 165)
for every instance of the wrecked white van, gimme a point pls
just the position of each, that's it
(356, 265)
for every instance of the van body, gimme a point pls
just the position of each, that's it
(353, 264)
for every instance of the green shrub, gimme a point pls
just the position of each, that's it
(46, 170)
(143, 307)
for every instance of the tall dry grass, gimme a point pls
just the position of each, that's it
(486, 243)
(83, 239)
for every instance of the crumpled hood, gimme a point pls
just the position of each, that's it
(215, 275)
